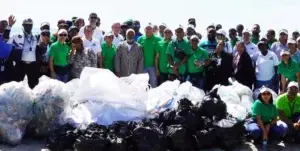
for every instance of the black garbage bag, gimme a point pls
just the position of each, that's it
(148, 139)
(179, 139)
(117, 144)
(212, 106)
(166, 118)
(189, 120)
(207, 138)
(230, 132)
(121, 129)
(63, 138)
(93, 139)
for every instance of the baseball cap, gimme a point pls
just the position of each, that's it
(163, 25)
(285, 53)
(45, 24)
(149, 25)
(293, 84)
(62, 31)
(191, 26)
(73, 28)
(194, 37)
(265, 89)
(179, 27)
(108, 34)
(284, 31)
(291, 41)
(28, 21)
(246, 31)
(221, 32)
(45, 32)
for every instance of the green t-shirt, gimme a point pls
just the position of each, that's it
(267, 111)
(60, 52)
(161, 49)
(200, 55)
(289, 71)
(148, 46)
(254, 40)
(53, 38)
(108, 53)
(271, 42)
(184, 46)
(289, 107)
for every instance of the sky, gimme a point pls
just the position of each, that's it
(275, 14)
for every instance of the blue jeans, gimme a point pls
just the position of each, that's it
(269, 84)
(277, 131)
(152, 75)
(63, 78)
(196, 79)
(295, 133)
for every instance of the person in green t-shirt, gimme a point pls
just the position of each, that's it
(288, 106)
(271, 37)
(255, 37)
(148, 44)
(108, 53)
(59, 53)
(178, 52)
(196, 63)
(161, 59)
(288, 69)
(264, 123)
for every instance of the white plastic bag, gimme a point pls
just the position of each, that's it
(162, 97)
(73, 86)
(15, 111)
(240, 89)
(237, 111)
(137, 80)
(256, 92)
(188, 91)
(227, 94)
(247, 102)
(50, 97)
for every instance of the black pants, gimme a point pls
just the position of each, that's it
(32, 70)
(163, 77)
(173, 77)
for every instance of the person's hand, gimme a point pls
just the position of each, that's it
(281, 92)
(11, 20)
(73, 49)
(296, 126)
(53, 75)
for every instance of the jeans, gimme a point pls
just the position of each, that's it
(181, 78)
(277, 131)
(152, 75)
(269, 84)
(293, 132)
(197, 80)
(63, 78)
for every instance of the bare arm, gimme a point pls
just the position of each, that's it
(156, 61)
(283, 117)
(101, 62)
(118, 62)
(298, 77)
(283, 83)
(260, 123)
(98, 56)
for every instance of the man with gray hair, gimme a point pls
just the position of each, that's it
(116, 29)
(129, 58)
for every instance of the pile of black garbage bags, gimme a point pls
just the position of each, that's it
(189, 128)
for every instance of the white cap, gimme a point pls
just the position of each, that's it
(265, 89)
(291, 41)
(194, 37)
(61, 31)
(149, 25)
(284, 53)
(246, 31)
(222, 32)
(293, 84)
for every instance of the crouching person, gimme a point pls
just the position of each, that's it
(288, 106)
(264, 125)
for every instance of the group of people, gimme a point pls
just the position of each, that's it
(253, 60)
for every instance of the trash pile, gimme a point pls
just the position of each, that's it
(100, 111)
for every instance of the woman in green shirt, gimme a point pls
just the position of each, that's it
(264, 124)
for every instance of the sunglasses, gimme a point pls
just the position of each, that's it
(94, 17)
(266, 93)
(194, 40)
(45, 34)
(62, 35)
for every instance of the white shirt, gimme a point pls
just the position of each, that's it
(265, 66)
(97, 34)
(94, 45)
(118, 40)
(28, 53)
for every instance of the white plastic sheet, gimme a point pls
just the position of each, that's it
(240, 89)
(188, 91)
(73, 86)
(15, 111)
(237, 111)
(228, 94)
(247, 102)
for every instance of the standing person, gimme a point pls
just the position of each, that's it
(240, 30)
(162, 28)
(44, 65)
(79, 23)
(59, 53)
(136, 28)
(91, 42)
(129, 58)
(295, 35)
(281, 45)
(271, 37)
(118, 38)
(219, 67)
(255, 37)
(221, 35)
(192, 21)
(218, 27)
(108, 53)
(148, 44)
(232, 40)
(287, 105)
(161, 58)
(196, 62)
(263, 125)
(242, 65)
(27, 53)
(178, 52)
(190, 31)
(295, 54)
(80, 57)
(298, 43)
(97, 33)
(155, 30)
(289, 70)
(266, 68)
(210, 43)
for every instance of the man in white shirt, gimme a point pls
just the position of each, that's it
(116, 29)
(97, 33)
(90, 42)
(266, 68)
